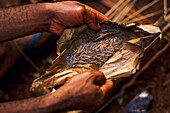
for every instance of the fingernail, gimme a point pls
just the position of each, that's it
(98, 25)
(100, 80)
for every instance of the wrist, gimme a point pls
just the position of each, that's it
(56, 13)
(60, 97)
(44, 16)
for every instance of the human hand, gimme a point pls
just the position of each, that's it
(71, 13)
(87, 91)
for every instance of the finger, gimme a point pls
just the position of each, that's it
(107, 88)
(99, 78)
(91, 20)
(86, 76)
(100, 17)
(94, 77)
(93, 17)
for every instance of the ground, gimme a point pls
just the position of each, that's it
(15, 85)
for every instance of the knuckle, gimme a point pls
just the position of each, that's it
(80, 7)
(100, 73)
(81, 10)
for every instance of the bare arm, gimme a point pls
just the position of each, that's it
(85, 91)
(24, 20)
(54, 17)
(35, 105)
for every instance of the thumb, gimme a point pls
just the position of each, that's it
(107, 88)
(99, 78)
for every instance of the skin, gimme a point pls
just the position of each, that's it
(9, 3)
(49, 17)
(86, 90)
(8, 58)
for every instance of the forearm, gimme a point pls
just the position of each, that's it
(53, 17)
(45, 104)
(34, 105)
(24, 20)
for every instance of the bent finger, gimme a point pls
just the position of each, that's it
(91, 20)
(90, 76)
(100, 17)
(93, 17)
(107, 88)
(99, 78)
